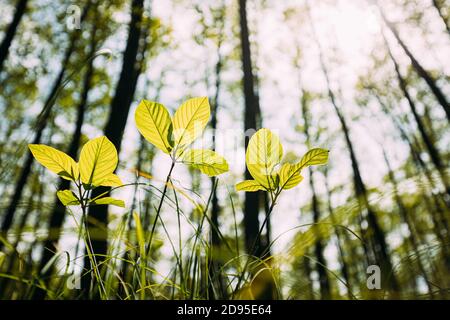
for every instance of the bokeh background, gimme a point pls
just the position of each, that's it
(368, 80)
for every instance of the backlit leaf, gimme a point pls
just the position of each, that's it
(98, 159)
(249, 186)
(207, 161)
(190, 121)
(108, 200)
(139, 233)
(264, 152)
(112, 180)
(314, 156)
(289, 176)
(67, 198)
(55, 160)
(2, 258)
(154, 123)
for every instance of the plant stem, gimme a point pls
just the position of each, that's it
(158, 212)
(252, 251)
(180, 249)
(83, 203)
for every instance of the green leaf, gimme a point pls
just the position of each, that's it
(67, 198)
(98, 159)
(55, 161)
(2, 258)
(289, 176)
(249, 186)
(314, 156)
(207, 161)
(108, 200)
(139, 233)
(154, 123)
(264, 152)
(190, 121)
(112, 180)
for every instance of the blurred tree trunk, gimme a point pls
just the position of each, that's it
(252, 199)
(11, 31)
(216, 281)
(41, 123)
(143, 154)
(417, 158)
(131, 68)
(440, 7)
(308, 270)
(58, 213)
(412, 240)
(6, 285)
(434, 205)
(431, 148)
(254, 243)
(424, 74)
(341, 238)
(374, 233)
(321, 265)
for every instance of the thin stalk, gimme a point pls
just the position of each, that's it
(83, 198)
(180, 244)
(158, 211)
(274, 198)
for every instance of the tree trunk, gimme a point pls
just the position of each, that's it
(11, 32)
(424, 74)
(377, 237)
(143, 154)
(115, 126)
(252, 199)
(321, 268)
(216, 283)
(341, 238)
(433, 205)
(440, 10)
(58, 213)
(432, 150)
(41, 123)
(406, 219)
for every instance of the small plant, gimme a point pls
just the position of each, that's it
(264, 162)
(98, 160)
(174, 136)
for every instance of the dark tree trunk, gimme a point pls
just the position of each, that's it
(6, 285)
(58, 213)
(324, 281)
(445, 19)
(406, 219)
(115, 126)
(143, 154)
(424, 74)
(215, 208)
(436, 214)
(252, 199)
(432, 150)
(325, 290)
(216, 280)
(41, 123)
(434, 206)
(11, 32)
(308, 270)
(341, 238)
